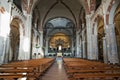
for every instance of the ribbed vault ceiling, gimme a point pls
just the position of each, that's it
(54, 11)
(59, 8)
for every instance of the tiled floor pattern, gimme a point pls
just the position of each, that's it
(56, 72)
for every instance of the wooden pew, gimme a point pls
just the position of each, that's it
(31, 68)
(101, 76)
(11, 76)
(104, 70)
(16, 70)
(79, 69)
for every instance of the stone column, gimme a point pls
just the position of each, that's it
(26, 39)
(95, 47)
(113, 46)
(89, 37)
(105, 55)
(46, 47)
(41, 38)
(77, 45)
(28, 25)
(108, 42)
(96, 40)
(83, 50)
(72, 48)
(41, 44)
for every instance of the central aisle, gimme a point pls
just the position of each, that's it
(56, 71)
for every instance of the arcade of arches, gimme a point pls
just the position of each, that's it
(31, 29)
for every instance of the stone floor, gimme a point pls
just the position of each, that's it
(56, 72)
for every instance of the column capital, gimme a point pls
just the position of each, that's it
(88, 17)
(111, 25)
(83, 24)
(41, 32)
(83, 41)
(104, 38)
(77, 32)
(27, 16)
